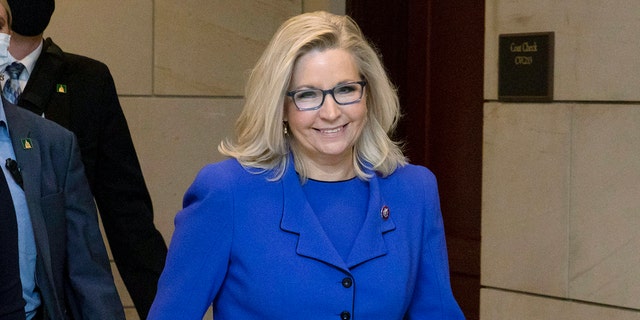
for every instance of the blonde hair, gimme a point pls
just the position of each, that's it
(260, 142)
(6, 7)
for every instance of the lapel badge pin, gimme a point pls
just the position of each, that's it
(61, 88)
(26, 143)
(384, 212)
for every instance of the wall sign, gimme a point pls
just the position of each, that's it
(526, 67)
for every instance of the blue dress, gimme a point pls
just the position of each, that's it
(255, 249)
(341, 207)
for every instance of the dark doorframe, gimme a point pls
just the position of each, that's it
(434, 53)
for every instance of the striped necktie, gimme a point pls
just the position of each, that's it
(11, 90)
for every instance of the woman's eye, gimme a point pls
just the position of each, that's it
(307, 94)
(345, 89)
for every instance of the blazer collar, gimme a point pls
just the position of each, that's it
(26, 147)
(299, 218)
(42, 81)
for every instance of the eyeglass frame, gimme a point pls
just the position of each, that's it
(362, 84)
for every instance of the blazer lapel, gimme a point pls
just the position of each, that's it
(299, 218)
(27, 150)
(369, 243)
(37, 95)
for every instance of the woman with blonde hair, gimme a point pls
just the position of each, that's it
(317, 214)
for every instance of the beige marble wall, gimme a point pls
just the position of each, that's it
(497, 304)
(179, 67)
(561, 197)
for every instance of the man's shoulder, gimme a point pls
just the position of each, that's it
(73, 61)
(36, 122)
(79, 60)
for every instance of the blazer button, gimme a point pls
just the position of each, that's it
(347, 282)
(345, 315)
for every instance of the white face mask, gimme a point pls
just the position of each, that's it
(5, 57)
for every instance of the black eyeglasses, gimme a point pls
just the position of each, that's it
(313, 99)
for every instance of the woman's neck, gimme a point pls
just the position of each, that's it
(330, 173)
(332, 169)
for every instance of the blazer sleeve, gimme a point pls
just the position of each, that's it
(91, 289)
(200, 248)
(121, 194)
(433, 298)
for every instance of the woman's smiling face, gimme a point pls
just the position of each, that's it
(326, 136)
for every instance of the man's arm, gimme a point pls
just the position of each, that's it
(123, 200)
(93, 293)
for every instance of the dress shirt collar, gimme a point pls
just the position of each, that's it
(30, 60)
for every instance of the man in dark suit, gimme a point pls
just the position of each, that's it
(72, 272)
(79, 94)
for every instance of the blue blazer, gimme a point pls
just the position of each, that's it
(255, 249)
(72, 267)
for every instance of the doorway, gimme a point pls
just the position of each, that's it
(434, 53)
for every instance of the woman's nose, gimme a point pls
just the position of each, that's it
(330, 108)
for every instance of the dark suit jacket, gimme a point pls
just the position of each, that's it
(79, 94)
(72, 269)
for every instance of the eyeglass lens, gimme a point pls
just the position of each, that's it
(343, 94)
